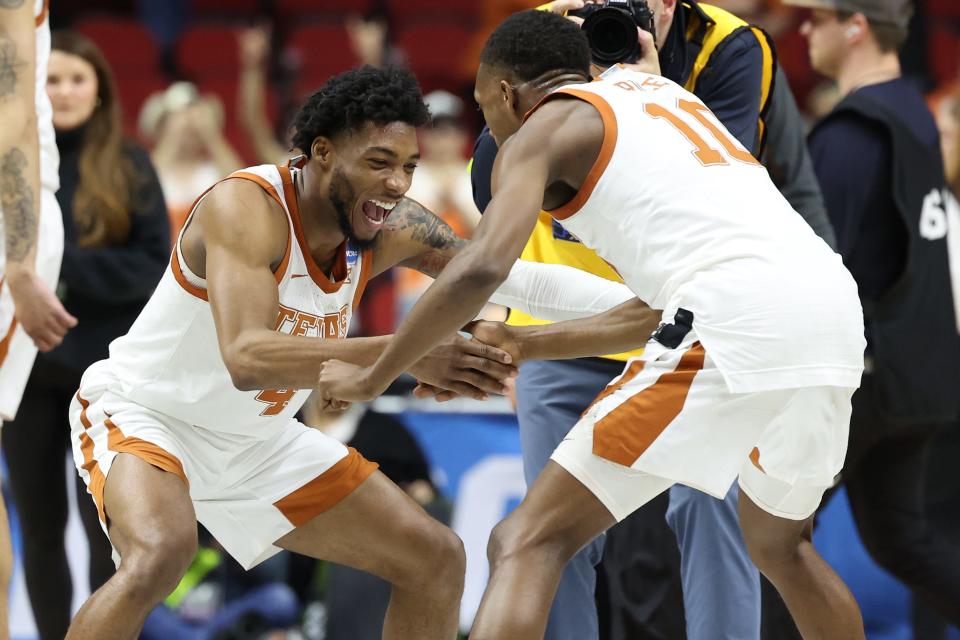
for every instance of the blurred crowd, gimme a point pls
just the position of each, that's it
(154, 101)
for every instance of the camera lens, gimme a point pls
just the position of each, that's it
(612, 34)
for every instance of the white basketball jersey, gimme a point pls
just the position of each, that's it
(49, 157)
(170, 360)
(690, 219)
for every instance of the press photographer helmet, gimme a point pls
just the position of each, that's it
(611, 27)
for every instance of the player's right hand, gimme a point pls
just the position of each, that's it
(38, 311)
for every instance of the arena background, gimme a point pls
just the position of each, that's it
(472, 448)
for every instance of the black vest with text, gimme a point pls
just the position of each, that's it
(912, 326)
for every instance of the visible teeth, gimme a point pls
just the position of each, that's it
(385, 205)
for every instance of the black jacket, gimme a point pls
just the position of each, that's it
(106, 287)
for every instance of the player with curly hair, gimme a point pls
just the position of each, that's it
(192, 417)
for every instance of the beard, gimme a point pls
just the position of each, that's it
(341, 192)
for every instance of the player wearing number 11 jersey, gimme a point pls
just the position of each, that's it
(753, 328)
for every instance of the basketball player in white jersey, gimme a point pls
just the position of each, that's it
(760, 339)
(31, 317)
(192, 417)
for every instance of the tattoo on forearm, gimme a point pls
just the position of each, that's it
(439, 240)
(17, 205)
(10, 64)
(11, 4)
(424, 226)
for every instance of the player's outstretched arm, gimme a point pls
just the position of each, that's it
(237, 238)
(527, 163)
(623, 328)
(417, 238)
(39, 312)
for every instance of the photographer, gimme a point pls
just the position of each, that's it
(731, 67)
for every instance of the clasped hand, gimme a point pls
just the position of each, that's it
(473, 367)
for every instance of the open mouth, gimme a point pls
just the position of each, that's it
(376, 211)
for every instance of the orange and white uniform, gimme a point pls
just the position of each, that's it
(17, 351)
(762, 339)
(253, 471)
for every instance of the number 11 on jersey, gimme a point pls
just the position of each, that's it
(706, 154)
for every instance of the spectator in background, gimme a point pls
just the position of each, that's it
(254, 44)
(877, 155)
(948, 122)
(442, 180)
(371, 39)
(189, 151)
(117, 244)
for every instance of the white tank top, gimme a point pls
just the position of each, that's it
(690, 219)
(49, 157)
(170, 360)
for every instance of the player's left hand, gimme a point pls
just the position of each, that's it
(342, 382)
(459, 366)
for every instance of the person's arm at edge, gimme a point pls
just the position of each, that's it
(39, 312)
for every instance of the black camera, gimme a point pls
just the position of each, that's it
(611, 28)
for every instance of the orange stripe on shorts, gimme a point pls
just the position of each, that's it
(97, 479)
(147, 451)
(624, 434)
(5, 342)
(632, 371)
(327, 489)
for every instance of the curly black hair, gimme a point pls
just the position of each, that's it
(531, 43)
(349, 100)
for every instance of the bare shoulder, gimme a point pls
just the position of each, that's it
(562, 139)
(561, 122)
(239, 215)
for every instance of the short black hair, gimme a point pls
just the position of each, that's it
(531, 43)
(351, 99)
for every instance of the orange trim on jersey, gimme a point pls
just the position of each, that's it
(5, 342)
(264, 184)
(606, 148)
(339, 271)
(366, 266)
(39, 20)
(631, 372)
(624, 434)
(326, 490)
(755, 459)
(181, 279)
(149, 452)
